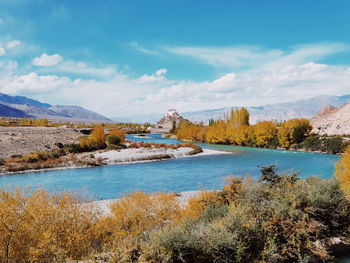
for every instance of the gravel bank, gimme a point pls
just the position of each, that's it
(144, 154)
(24, 140)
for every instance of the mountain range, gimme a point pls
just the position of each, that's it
(306, 108)
(20, 107)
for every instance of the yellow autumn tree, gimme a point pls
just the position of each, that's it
(188, 131)
(98, 135)
(264, 132)
(293, 131)
(342, 172)
(238, 117)
(217, 133)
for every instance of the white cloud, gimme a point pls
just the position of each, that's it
(279, 76)
(13, 44)
(257, 87)
(159, 75)
(33, 83)
(141, 49)
(83, 68)
(246, 57)
(2, 51)
(46, 60)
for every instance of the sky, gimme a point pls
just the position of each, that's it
(129, 58)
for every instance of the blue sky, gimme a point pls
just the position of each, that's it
(125, 58)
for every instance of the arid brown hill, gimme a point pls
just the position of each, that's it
(332, 121)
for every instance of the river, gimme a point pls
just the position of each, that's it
(182, 174)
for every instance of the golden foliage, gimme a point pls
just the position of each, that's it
(342, 172)
(227, 196)
(293, 131)
(39, 227)
(139, 212)
(30, 122)
(238, 118)
(98, 135)
(85, 142)
(197, 204)
(264, 132)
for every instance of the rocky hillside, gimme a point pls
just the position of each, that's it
(332, 121)
(166, 123)
(19, 106)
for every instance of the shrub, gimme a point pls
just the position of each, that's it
(98, 135)
(138, 213)
(38, 227)
(119, 133)
(113, 139)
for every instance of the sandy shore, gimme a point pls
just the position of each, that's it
(143, 154)
(140, 154)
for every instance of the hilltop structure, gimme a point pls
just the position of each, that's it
(170, 119)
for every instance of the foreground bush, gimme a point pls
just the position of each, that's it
(342, 172)
(278, 220)
(39, 227)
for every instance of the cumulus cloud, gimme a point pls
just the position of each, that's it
(159, 75)
(125, 96)
(256, 87)
(46, 60)
(284, 76)
(33, 83)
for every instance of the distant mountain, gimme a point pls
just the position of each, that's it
(305, 108)
(6, 111)
(19, 106)
(77, 112)
(19, 100)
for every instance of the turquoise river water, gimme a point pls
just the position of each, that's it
(182, 174)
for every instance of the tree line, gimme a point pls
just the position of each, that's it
(235, 129)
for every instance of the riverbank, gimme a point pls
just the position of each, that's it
(109, 157)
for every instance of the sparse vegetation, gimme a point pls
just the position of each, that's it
(278, 218)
